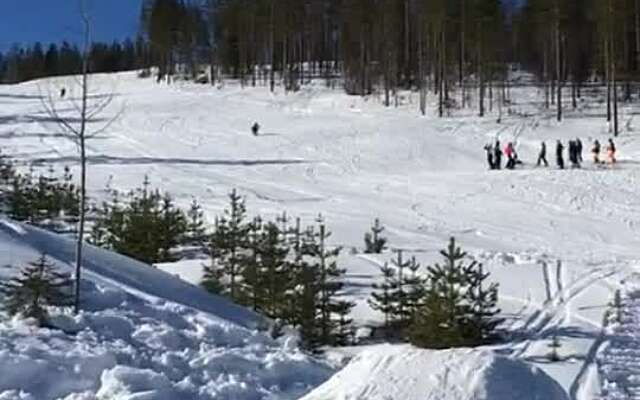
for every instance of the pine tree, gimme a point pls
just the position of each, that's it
(274, 279)
(483, 302)
(402, 312)
(37, 287)
(332, 310)
(456, 310)
(228, 244)
(172, 226)
(414, 287)
(373, 242)
(195, 226)
(382, 296)
(554, 346)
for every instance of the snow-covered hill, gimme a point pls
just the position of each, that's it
(142, 334)
(403, 372)
(354, 160)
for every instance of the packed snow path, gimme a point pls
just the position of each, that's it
(353, 160)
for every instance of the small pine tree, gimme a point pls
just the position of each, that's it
(251, 270)
(228, 247)
(617, 306)
(373, 242)
(402, 312)
(456, 310)
(273, 278)
(172, 226)
(414, 285)
(554, 346)
(37, 287)
(382, 296)
(195, 226)
(483, 302)
(330, 305)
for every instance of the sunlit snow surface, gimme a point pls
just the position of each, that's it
(354, 160)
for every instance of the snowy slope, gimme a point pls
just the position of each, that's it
(141, 334)
(403, 372)
(353, 160)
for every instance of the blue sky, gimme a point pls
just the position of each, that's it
(28, 21)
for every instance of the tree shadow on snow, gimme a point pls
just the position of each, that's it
(112, 160)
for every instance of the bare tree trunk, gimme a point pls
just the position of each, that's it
(462, 53)
(83, 155)
(607, 67)
(558, 64)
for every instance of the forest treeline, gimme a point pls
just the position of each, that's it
(460, 50)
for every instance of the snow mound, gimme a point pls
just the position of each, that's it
(142, 334)
(404, 372)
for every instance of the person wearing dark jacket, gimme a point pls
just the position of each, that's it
(595, 150)
(579, 150)
(611, 152)
(497, 156)
(489, 151)
(559, 156)
(542, 156)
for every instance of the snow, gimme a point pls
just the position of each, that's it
(351, 160)
(142, 334)
(403, 372)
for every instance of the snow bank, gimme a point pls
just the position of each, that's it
(142, 334)
(404, 372)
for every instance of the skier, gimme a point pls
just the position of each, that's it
(596, 152)
(255, 129)
(579, 149)
(611, 152)
(542, 156)
(510, 153)
(497, 156)
(559, 158)
(573, 154)
(63, 92)
(489, 151)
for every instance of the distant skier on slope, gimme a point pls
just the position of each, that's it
(595, 150)
(63, 92)
(255, 129)
(542, 156)
(497, 156)
(611, 152)
(559, 156)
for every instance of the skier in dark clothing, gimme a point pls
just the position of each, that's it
(611, 152)
(497, 156)
(579, 149)
(489, 151)
(573, 154)
(596, 152)
(542, 156)
(255, 129)
(559, 157)
(63, 92)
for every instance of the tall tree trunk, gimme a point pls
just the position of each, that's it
(559, 77)
(83, 155)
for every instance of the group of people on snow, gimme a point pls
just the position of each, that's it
(495, 154)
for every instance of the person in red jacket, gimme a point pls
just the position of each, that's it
(510, 152)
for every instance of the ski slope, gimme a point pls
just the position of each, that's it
(353, 160)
